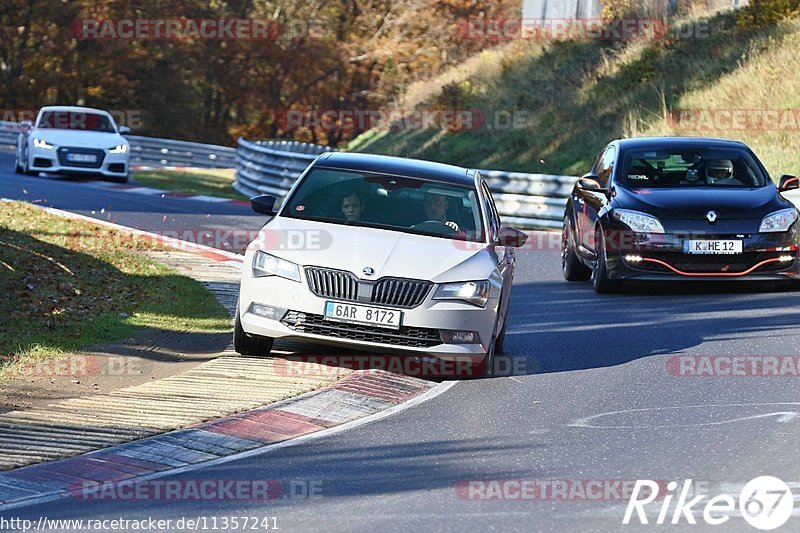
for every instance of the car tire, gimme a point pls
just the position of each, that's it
(600, 281)
(500, 341)
(485, 369)
(571, 267)
(245, 344)
(17, 166)
(25, 167)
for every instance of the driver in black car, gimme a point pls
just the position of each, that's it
(436, 206)
(719, 169)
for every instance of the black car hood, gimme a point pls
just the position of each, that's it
(694, 203)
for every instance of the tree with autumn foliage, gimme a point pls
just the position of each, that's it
(337, 55)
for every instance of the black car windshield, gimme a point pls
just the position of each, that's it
(76, 120)
(404, 204)
(691, 167)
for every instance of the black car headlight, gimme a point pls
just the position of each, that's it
(778, 221)
(639, 222)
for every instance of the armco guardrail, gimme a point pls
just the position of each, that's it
(530, 201)
(272, 167)
(167, 152)
(152, 151)
(8, 133)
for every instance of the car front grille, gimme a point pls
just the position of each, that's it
(400, 292)
(405, 336)
(341, 285)
(713, 264)
(64, 162)
(332, 283)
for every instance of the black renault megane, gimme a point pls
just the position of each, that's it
(682, 209)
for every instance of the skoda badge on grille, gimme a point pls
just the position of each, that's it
(368, 271)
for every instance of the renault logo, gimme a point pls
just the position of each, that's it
(368, 271)
(711, 216)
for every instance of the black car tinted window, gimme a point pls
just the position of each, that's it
(691, 167)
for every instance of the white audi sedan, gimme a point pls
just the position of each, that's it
(382, 254)
(73, 140)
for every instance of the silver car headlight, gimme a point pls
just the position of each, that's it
(269, 265)
(639, 222)
(41, 143)
(778, 221)
(119, 149)
(473, 292)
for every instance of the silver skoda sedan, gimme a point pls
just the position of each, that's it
(382, 254)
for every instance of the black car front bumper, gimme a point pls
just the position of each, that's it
(765, 256)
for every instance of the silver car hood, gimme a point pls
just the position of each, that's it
(388, 253)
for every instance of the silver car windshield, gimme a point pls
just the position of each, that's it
(397, 203)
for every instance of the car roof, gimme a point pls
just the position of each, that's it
(397, 166)
(74, 109)
(674, 142)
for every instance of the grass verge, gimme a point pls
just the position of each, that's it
(579, 95)
(206, 181)
(70, 284)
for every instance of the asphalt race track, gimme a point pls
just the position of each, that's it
(600, 396)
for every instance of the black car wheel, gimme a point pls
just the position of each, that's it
(600, 281)
(571, 267)
(245, 344)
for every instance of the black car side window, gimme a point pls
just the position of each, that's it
(599, 160)
(606, 166)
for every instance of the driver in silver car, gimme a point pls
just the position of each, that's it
(436, 206)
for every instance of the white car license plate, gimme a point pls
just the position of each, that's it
(82, 158)
(713, 247)
(361, 314)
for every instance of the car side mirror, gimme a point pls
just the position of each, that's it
(788, 183)
(124, 129)
(511, 237)
(590, 183)
(264, 204)
(25, 125)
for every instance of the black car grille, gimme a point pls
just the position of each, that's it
(712, 264)
(63, 161)
(405, 336)
(396, 292)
